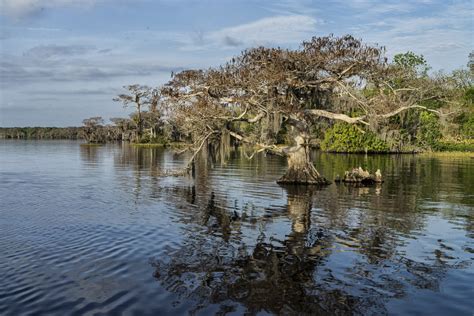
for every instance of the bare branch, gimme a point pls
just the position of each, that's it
(203, 141)
(272, 148)
(257, 118)
(338, 116)
(405, 108)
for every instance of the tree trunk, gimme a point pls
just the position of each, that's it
(300, 167)
(140, 128)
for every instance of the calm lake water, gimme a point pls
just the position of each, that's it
(95, 230)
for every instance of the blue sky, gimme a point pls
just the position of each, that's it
(64, 60)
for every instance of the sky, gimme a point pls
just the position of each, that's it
(64, 60)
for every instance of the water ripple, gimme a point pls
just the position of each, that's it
(91, 231)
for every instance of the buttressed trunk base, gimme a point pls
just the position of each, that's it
(300, 168)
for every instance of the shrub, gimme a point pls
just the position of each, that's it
(429, 132)
(343, 137)
(467, 128)
(467, 146)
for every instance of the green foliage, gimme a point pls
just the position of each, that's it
(429, 131)
(432, 104)
(412, 61)
(466, 146)
(427, 135)
(147, 138)
(343, 137)
(469, 96)
(409, 59)
(247, 128)
(465, 120)
(144, 139)
(467, 128)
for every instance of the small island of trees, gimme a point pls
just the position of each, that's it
(333, 93)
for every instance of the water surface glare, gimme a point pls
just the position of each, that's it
(96, 230)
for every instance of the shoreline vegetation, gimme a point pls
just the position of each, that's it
(451, 147)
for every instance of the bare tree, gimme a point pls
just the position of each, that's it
(141, 96)
(257, 95)
(92, 129)
(124, 126)
(153, 99)
(470, 64)
(138, 97)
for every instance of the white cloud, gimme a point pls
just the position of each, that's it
(20, 8)
(444, 37)
(390, 8)
(304, 7)
(275, 30)
(379, 8)
(48, 51)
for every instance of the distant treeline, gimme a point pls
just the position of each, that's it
(93, 131)
(41, 133)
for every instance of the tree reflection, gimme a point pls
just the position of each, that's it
(90, 154)
(296, 275)
(338, 250)
(146, 165)
(276, 276)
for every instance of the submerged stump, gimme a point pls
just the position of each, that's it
(359, 175)
(303, 175)
(300, 167)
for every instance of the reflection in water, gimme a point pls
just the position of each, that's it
(230, 239)
(90, 154)
(295, 275)
(274, 276)
(230, 259)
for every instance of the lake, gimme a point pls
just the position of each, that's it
(96, 230)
